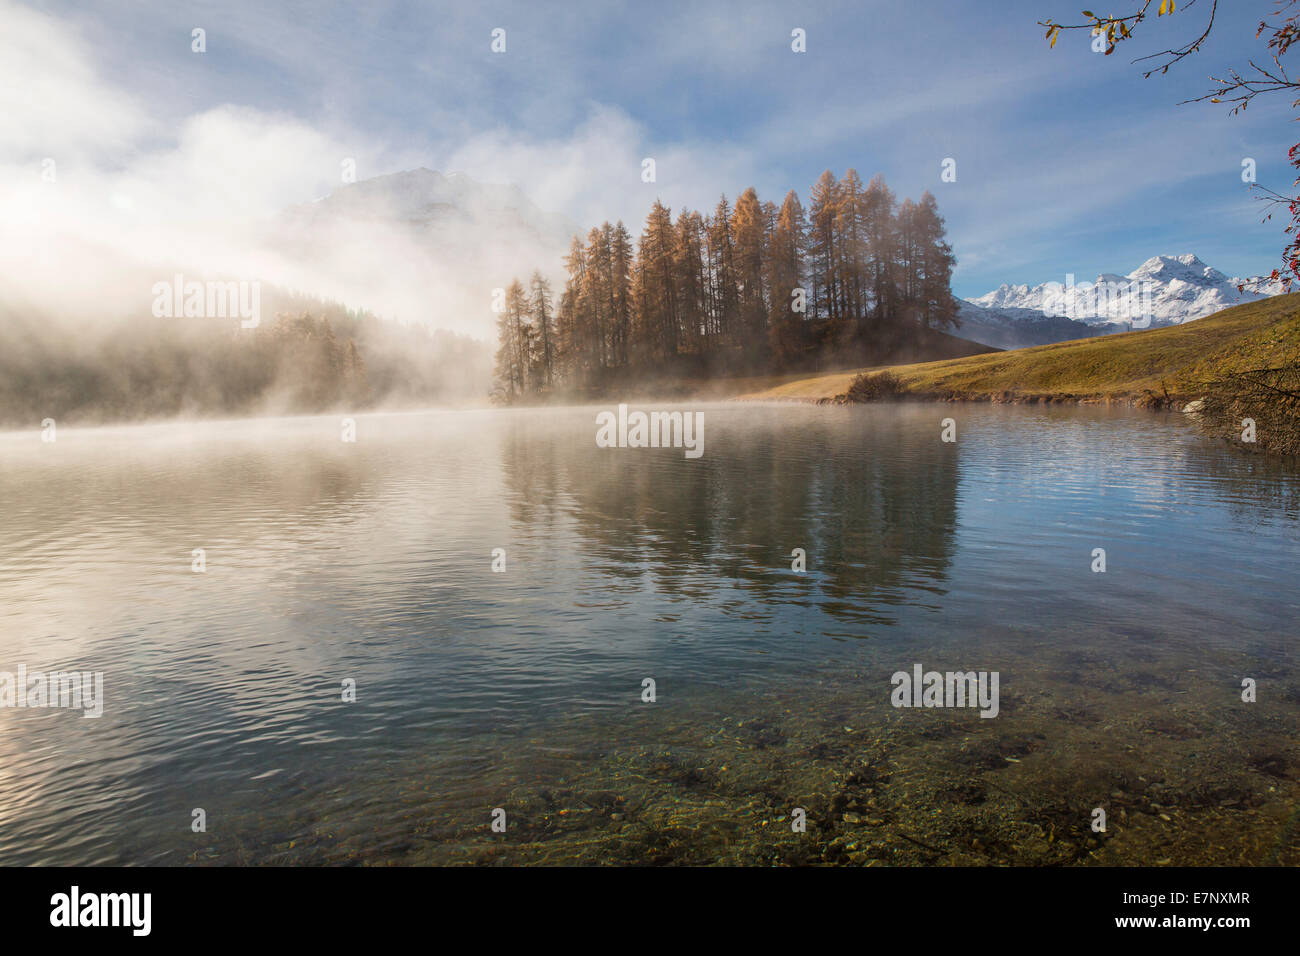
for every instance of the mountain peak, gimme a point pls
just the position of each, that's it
(1163, 290)
(1173, 266)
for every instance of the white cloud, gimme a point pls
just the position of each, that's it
(594, 173)
(50, 99)
(204, 195)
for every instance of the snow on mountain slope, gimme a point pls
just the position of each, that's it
(1164, 290)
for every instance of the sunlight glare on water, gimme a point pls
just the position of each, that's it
(371, 561)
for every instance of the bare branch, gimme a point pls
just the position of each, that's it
(1182, 51)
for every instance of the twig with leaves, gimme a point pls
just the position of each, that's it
(1236, 89)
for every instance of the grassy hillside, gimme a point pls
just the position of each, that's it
(1156, 366)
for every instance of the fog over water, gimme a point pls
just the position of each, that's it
(372, 561)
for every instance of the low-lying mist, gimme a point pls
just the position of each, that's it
(311, 356)
(101, 202)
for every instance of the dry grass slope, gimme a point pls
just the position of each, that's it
(1179, 361)
(1242, 362)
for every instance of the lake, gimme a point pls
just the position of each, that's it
(328, 565)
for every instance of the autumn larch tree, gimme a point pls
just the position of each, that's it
(544, 332)
(752, 286)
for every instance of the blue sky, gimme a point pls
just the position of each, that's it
(1067, 161)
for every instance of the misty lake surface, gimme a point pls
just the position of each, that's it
(328, 561)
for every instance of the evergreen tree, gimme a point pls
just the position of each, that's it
(516, 314)
(878, 228)
(692, 293)
(749, 234)
(822, 247)
(544, 327)
(721, 284)
(509, 374)
(572, 325)
(937, 306)
(850, 225)
(621, 259)
(785, 255)
(596, 297)
(657, 286)
(908, 266)
(723, 293)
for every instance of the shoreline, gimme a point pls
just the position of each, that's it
(1235, 374)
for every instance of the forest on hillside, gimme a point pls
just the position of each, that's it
(311, 356)
(753, 287)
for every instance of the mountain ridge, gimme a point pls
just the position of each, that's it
(1164, 290)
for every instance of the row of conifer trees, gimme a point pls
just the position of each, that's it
(767, 284)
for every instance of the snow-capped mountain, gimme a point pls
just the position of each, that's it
(1177, 288)
(1164, 290)
(421, 246)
